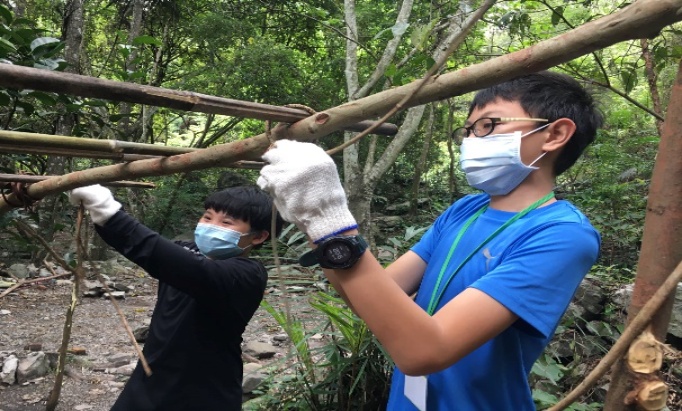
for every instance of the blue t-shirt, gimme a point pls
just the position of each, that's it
(533, 267)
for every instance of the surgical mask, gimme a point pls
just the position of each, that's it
(218, 242)
(493, 163)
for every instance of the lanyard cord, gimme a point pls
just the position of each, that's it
(436, 295)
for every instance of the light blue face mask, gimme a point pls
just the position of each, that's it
(218, 242)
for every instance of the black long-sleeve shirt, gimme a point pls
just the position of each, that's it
(194, 342)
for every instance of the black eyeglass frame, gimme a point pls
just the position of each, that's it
(460, 133)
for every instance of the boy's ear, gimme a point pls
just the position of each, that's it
(260, 237)
(560, 132)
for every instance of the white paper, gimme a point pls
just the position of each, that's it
(415, 391)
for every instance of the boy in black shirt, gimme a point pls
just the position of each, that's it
(208, 292)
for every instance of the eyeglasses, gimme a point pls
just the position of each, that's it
(486, 125)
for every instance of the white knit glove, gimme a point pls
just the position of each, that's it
(305, 186)
(97, 200)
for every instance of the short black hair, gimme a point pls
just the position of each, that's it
(552, 96)
(247, 203)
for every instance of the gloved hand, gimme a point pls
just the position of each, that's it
(97, 200)
(305, 186)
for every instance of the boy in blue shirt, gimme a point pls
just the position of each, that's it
(495, 272)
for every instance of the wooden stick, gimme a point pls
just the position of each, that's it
(20, 77)
(34, 280)
(53, 400)
(637, 325)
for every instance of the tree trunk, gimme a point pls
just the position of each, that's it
(661, 242)
(129, 130)
(422, 163)
(72, 34)
(361, 191)
(651, 77)
(453, 189)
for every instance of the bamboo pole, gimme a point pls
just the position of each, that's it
(67, 146)
(643, 18)
(30, 179)
(64, 152)
(19, 78)
(21, 139)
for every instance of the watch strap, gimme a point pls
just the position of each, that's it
(312, 257)
(309, 259)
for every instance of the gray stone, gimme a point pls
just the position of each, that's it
(260, 350)
(34, 366)
(253, 377)
(389, 221)
(18, 270)
(116, 294)
(120, 359)
(8, 375)
(591, 298)
(623, 296)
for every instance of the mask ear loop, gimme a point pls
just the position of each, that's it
(541, 155)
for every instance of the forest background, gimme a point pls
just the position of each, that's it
(322, 54)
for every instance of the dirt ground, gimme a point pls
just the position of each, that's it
(36, 316)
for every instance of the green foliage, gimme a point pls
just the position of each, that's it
(350, 372)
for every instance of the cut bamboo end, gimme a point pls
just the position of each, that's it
(645, 355)
(653, 396)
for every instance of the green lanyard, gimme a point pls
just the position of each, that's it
(437, 295)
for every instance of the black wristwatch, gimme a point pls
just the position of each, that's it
(336, 252)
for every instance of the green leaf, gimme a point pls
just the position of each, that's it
(557, 15)
(5, 44)
(548, 369)
(147, 40)
(6, 14)
(44, 98)
(42, 41)
(49, 64)
(544, 398)
(629, 79)
(5, 99)
(26, 107)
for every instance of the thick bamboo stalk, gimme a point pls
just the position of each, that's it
(644, 18)
(30, 179)
(19, 77)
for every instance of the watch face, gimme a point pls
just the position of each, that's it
(338, 253)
